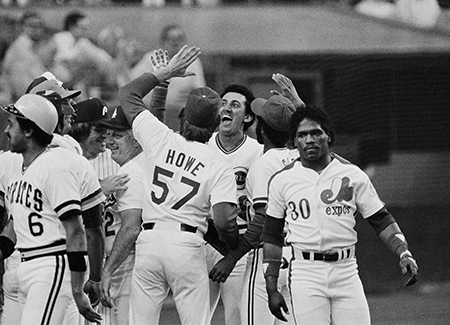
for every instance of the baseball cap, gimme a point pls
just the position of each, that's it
(36, 109)
(275, 111)
(202, 107)
(92, 111)
(117, 120)
(47, 81)
(55, 99)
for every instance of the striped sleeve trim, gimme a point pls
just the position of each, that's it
(2, 199)
(67, 206)
(69, 213)
(92, 200)
(260, 200)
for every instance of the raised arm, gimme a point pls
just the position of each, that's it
(132, 93)
(287, 89)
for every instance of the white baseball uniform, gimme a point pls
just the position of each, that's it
(241, 159)
(36, 199)
(254, 303)
(11, 308)
(183, 180)
(103, 165)
(320, 210)
(116, 203)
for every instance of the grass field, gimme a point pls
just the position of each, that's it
(423, 304)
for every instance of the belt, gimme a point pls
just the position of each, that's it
(329, 256)
(56, 248)
(169, 226)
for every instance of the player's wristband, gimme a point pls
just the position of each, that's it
(271, 268)
(77, 262)
(95, 282)
(6, 246)
(406, 253)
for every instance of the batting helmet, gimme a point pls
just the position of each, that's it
(37, 109)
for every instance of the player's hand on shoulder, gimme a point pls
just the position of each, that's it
(222, 269)
(277, 305)
(85, 308)
(115, 183)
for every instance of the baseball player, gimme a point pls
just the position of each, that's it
(122, 208)
(85, 130)
(235, 147)
(183, 180)
(272, 129)
(11, 308)
(318, 196)
(45, 216)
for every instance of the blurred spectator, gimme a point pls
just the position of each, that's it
(172, 38)
(30, 55)
(420, 13)
(125, 52)
(80, 62)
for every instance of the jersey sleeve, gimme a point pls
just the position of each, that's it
(275, 205)
(133, 196)
(225, 186)
(149, 131)
(63, 191)
(258, 179)
(91, 192)
(367, 199)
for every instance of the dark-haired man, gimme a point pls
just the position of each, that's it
(238, 149)
(318, 197)
(45, 216)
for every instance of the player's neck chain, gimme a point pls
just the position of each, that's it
(24, 168)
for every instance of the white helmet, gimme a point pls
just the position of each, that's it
(37, 109)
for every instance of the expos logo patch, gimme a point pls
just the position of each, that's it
(340, 191)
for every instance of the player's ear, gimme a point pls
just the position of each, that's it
(248, 118)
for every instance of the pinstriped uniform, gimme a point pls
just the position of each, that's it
(241, 159)
(255, 309)
(103, 165)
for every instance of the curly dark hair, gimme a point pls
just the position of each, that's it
(315, 114)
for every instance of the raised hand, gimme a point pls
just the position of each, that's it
(287, 89)
(178, 64)
(159, 59)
